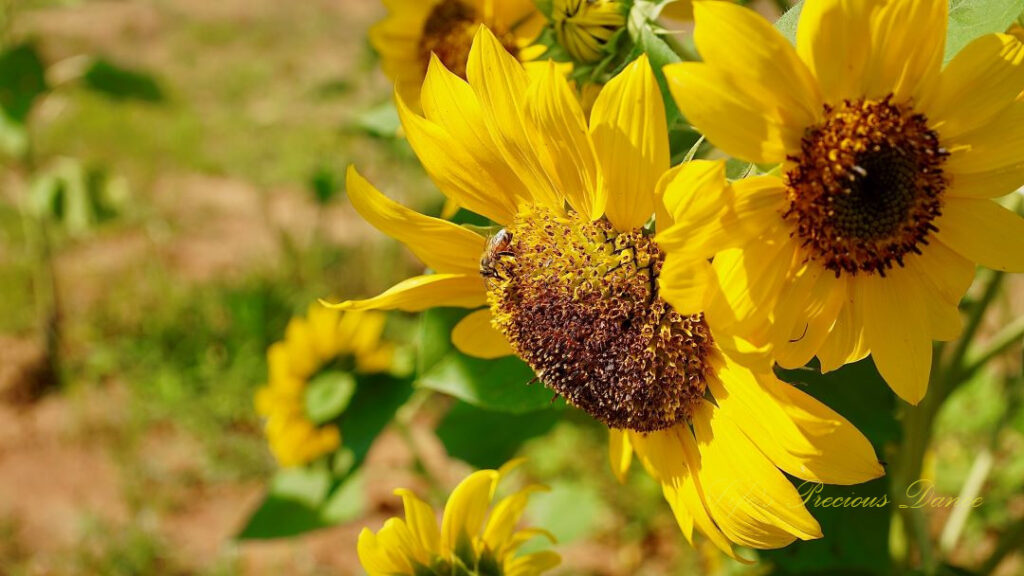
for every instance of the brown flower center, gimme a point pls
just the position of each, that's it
(578, 301)
(449, 32)
(867, 186)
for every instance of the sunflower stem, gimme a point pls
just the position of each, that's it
(1007, 337)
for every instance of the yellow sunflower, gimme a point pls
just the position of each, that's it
(890, 162)
(584, 27)
(415, 29)
(323, 338)
(473, 539)
(574, 284)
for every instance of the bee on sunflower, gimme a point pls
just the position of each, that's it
(415, 29)
(890, 164)
(474, 539)
(576, 284)
(324, 347)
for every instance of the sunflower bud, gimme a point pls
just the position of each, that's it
(584, 27)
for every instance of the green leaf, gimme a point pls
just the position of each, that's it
(856, 537)
(328, 394)
(787, 23)
(487, 439)
(121, 83)
(22, 80)
(303, 499)
(77, 197)
(969, 19)
(380, 121)
(502, 385)
(325, 184)
(291, 506)
(571, 510)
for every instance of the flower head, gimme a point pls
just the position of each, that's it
(868, 241)
(416, 29)
(576, 283)
(584, 27)
(474, 538)
(325, 342)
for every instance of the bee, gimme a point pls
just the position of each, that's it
(498, 247)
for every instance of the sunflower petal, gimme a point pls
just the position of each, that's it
(796, 432)
(533, 564)
(501, 83)
(805, 312)
(423, 292)
(467, 506)
(749, 499)
(906, 60)
(557, 115)
(685, 283)
(977, 85)
(455, 170)
(441, 245)
(983, 232)
(732, 37)
(845, 343)
(995, 147)
(630, 135)
(830, 38)
(474, 335)
(420, 518)
(620, 453)
(896, 328)
(718, 104)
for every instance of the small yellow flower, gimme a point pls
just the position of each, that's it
(890, 163)
(584, 27)
(576, 284)
(415, 29)
(312, 343)
(474, 539)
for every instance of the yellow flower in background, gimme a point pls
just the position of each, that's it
(574, 284)
(414, 29)
(870, 240)
(584, 27)
(322, 339)
(474, 538)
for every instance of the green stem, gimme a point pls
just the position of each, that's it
(977, 313)
(1008, 336)
(681, 49)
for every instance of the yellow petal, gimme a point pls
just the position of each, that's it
(557, 116)
(831, 39)
(671, 457)
(749, 282)
(946, 277)
(396, 537)
(506, 515)
(423, 292)
(796, 432)
(807, 308)
(987, 184)
(450, 102)
(732, 37)
(630, 135)
(455, 169)
(845, 343)
(678, 10)
(906, 59)
(467, 507)
(692, 192)
(377, 559)
(500, 84)
(977, 85)
(302, 357)
(983, 232)
(897, 331)
(366, 336)
(474, 335)
(994, 147)
(749, 499)
(420, 518)
(533, 564)
(710, 219)
(441, 245)
(685, 283)
(742, 124)
(620, 453)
